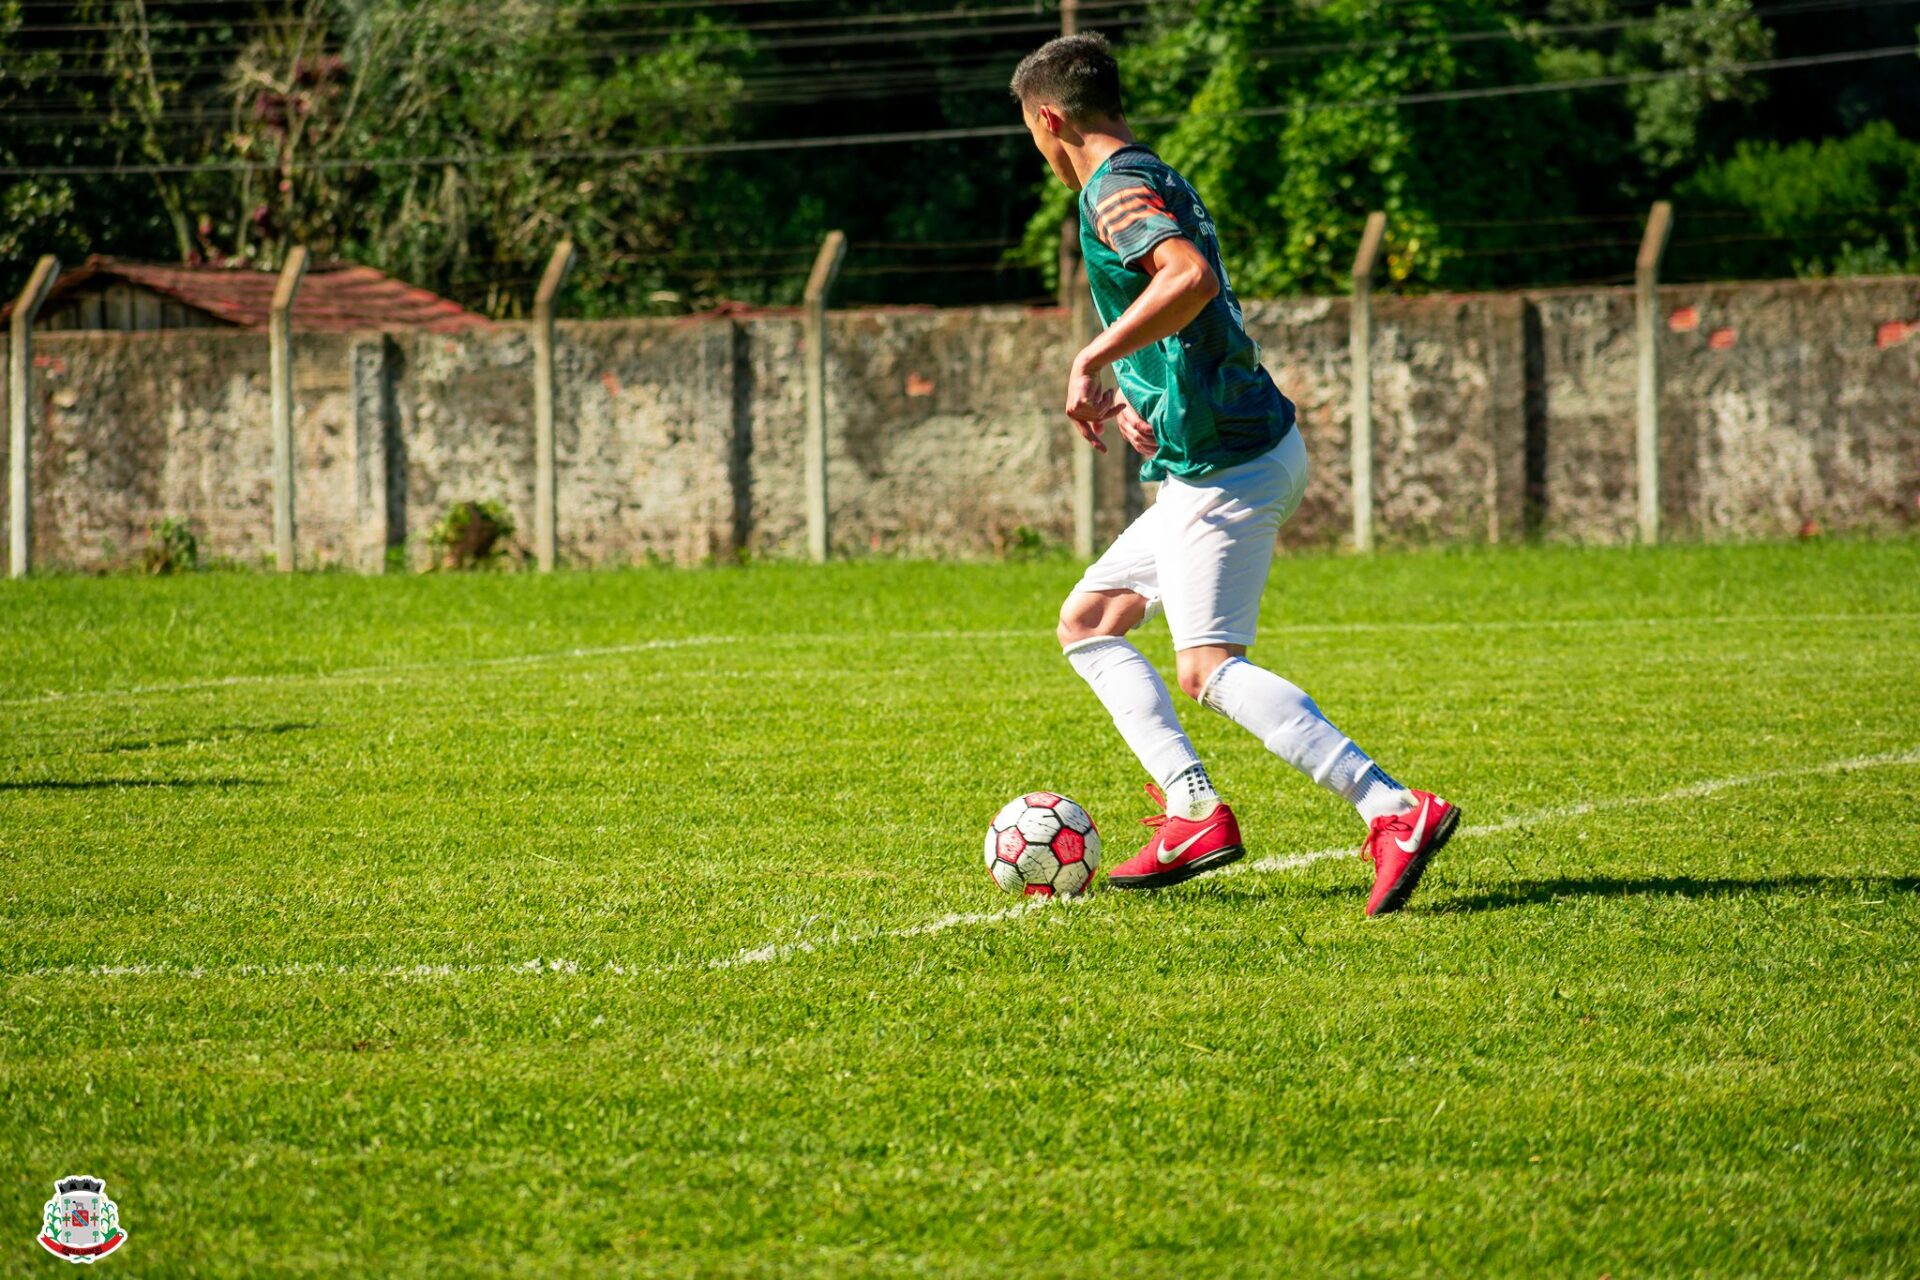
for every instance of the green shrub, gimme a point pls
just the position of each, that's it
(171, 548)
(1841, 206)
(472, 535)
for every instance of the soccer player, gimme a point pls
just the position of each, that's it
(1217, 434)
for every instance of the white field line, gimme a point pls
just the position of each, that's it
(1297, 861)
(781, 950)
(399, 669)
(774, 951)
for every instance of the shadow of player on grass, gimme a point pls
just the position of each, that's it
(111, 784)
(1526, 893)
(1530, 893)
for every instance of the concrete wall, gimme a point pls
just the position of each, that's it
(1781, 403)
(1496, 417)
(135, 427)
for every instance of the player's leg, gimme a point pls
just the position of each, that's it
(1220, 539)
(1116, 594)
(1220, 551)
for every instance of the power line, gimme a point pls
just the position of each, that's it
(601, 41)
(1594, 82)
(619, 51)
(794, 85)
(640, 6)
(574, 31)
(745, 146)
(1512, 30)
(600, 37)
(1693, 214)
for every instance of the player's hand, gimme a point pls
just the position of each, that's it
(1090, 432)
(1136, 430)
(1089, 404)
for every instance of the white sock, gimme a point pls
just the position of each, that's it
(1287, 722)
(1376, 795)
(1191, 795)
(1137, 699)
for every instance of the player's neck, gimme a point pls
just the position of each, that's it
(1097, 142)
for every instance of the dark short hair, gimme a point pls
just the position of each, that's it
(1076, 72)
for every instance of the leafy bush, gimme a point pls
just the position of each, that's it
(472, 535)
(171, 548)
(1842, 206)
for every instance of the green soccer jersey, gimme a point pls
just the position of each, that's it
(1210, 402)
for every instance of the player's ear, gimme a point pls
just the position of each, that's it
(1052, 119)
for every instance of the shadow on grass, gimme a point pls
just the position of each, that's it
(1526, 893)
(223, 733)
(111, 784)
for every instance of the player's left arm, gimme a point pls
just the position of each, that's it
(1182, 285)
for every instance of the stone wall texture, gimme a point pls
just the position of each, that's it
(1496, 417)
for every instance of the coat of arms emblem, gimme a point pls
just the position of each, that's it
(82, 1225)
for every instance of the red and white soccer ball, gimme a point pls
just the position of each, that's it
(1043, 844)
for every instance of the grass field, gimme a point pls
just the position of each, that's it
(636, 922)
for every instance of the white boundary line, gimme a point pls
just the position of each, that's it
(399, 669)
(1298, 861)
(776, 951)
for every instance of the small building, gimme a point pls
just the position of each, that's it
(114, 294)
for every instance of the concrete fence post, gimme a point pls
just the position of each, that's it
(1360, 355)
(20, 414)
(826, 266)
(280, 378)
(546, 517)
(1646, 305)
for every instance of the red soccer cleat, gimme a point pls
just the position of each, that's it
(1181, 848)
(1401, 846)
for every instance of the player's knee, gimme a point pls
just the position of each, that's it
(1195, 668)
(1077, 623)
(1084, 617)
(1089, 615)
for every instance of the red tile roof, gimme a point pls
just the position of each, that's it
(334, 296)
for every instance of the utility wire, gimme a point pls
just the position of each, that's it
(1517, 30)
(601, 37)
(618, 51)
(746, 146)
(795, 85)
(574, 31)
(792, 86)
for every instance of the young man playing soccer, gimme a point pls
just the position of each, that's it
(1220, 439)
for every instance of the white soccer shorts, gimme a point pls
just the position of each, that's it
(1201, 552)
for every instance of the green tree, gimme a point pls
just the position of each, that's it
(448, 142)
(456, 145)
(1296, 127)
(1845, 206)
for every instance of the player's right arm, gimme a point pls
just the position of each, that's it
(1182, 286)
(1132, 219)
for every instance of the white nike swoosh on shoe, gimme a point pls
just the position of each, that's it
(1168, 855)
(1419, 829)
